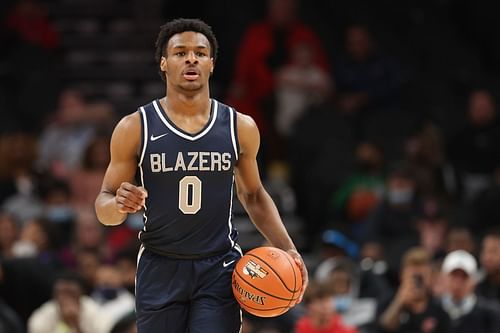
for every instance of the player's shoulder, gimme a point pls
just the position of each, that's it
(129, 122)
(127, 134)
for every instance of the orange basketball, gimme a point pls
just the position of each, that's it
(266, 282)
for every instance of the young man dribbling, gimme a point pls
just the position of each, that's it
(178, 158)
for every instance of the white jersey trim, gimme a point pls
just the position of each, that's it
(139, 255)
(233, 134)
(230, 218)
(145, 136)
(184, 135)
(144, 146)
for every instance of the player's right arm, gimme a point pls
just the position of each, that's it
(119, 196)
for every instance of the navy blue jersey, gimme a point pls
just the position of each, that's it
(189, 179)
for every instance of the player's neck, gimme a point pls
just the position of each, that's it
(177, 102)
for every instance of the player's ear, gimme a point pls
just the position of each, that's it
(163, 64)
(212, 67)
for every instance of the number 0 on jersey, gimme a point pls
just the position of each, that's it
(190, 194)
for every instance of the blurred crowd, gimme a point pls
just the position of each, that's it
(381, 136)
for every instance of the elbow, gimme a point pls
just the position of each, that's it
(249, 197)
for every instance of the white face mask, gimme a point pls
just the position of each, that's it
(60, 214)
(24, 249)
(457, 310)
(400, 196)
(342, 303)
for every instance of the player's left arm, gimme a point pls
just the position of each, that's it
(253, 196)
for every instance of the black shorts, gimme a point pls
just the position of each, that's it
(185, 295)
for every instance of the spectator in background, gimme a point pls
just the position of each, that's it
(366, 286)
(485, 209)
(30, 35)
(413, 309)
(265, 48)
(28, 20)
(366, 79)
(9, 233)
(460, 238)
(300, 85)
(85, 181)
(489, 287)
(39, 238)
(278, 187)
(114, 300)
(475, 150)
(69, 310)
(126, 262)
(359, 194)
(425, 153)
(18, 179)
(438, 287)
(468, 312)
(87, 265)
(344, 281)
(320, 314)
(88, 235)
(392, 222)
(56, 198)
(432, 225)
(65, 138)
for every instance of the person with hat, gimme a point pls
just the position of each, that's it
(468, 312)
(413, 308)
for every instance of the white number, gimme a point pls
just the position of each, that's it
(190, 204)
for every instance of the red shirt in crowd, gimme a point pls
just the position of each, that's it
(305, 325)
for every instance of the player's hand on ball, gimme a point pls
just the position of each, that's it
(305, 279)
(130, 198)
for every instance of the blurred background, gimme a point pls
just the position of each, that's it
(379, 133)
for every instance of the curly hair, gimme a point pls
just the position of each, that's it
(181, 25)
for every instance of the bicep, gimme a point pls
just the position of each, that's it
(124, 145)
(247, 170)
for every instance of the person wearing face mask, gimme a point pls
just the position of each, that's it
(114, 300)
(392, 222)
(468, 311)
(360, 193)
(355, 293)
(355, 310)
(56, 198)
(321, 315)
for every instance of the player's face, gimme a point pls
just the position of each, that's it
(187, 64)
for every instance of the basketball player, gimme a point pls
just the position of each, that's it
(178, 158)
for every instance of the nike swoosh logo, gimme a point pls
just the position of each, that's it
(154, 138)
(225, 264)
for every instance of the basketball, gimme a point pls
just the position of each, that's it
(266, 282)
